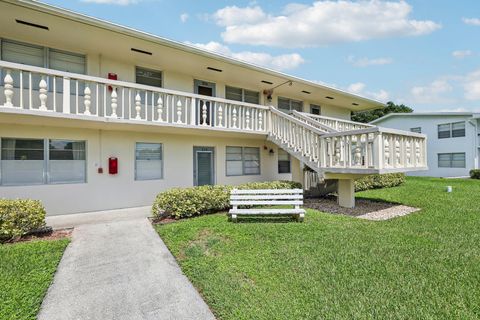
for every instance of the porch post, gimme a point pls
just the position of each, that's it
(346, 193)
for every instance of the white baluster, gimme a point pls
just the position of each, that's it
(408, 150)
(220, 116)
(247, 120)
(260, 120)
(234, 117)
(417, 153)
(386, 148)
(357, 154)
(43, 94)
(113, 96)
(87, 100)
(160, 108)
(138, 106)
(179, 111)
(8, 89)
(204, 113)
(397, 152)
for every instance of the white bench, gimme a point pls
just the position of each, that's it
(266, 197)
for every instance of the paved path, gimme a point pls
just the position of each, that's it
(119, 270)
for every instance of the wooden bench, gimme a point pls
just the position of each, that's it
(266, 197)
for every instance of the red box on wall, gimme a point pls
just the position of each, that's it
(112, 165)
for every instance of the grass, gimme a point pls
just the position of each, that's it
(26, 271)
(422, 266)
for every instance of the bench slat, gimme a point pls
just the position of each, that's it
(266, 211)
(265, 202)
(267, 191)
(266, 196)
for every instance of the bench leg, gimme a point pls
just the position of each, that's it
(229, 217)
(233, 217)
(300, 217)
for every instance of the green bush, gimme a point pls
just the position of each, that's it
(475, 173)
(20, 216)
(187, 202)
(378, 181)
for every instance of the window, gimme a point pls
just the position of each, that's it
(285, 104)
(451, 130)
(451, 160)
(23, 53)
(41, 161)
(458, 129)
(283, 161)
(148, 77)
(416, 129)
(242, 161)
(244, 95)
(315, 109)
(22, 161)
(66, 161)
(148, 161)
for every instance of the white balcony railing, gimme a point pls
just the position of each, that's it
(334, 123)
(34, 88)
(373, 149)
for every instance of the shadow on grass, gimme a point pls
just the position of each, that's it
(266, 219)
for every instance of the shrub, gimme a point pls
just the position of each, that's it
(475, 173)
(187, 202)
(20, 216)
(377, 181)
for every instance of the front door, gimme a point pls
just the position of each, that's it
(203, 166)
(204, 108)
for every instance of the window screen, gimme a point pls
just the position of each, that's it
(148, 161)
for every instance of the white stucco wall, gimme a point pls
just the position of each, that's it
(104, 191)
(429, 125)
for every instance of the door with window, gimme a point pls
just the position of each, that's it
(203, 166)
(204, 109)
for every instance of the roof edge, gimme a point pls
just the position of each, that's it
(421, 114)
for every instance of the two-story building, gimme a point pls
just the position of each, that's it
(97, 116)
(453, 139)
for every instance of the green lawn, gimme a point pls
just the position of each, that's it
(26, 271)
(422, 266)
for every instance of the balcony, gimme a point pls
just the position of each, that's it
(327, 145)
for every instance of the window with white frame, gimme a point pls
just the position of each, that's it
(42, 161)
(416, 129)
(242, 161)
(148, 161)
(148, 77)
(451, 130)
(451, 160)
(244, 95)
(287, 105)
(283, 161)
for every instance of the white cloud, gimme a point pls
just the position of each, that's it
(279, 62)
(184, 17)
(365, 62)
(432, 93)
(471, 21)
(115, 2)
(359, 88)
(321, 23)
(460, 54)
(471, 85)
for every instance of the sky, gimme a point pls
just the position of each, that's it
(422, 53)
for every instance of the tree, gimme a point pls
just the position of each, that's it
(370, 115)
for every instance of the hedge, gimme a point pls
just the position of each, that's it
(378, 181)
(19, 217)
(187, 202)
(475, 173)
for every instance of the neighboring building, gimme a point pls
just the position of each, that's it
(453, 139)
(97, 116)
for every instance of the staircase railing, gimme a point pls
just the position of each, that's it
(334, 123)
(372, 149)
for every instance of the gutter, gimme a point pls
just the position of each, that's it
(476, 148)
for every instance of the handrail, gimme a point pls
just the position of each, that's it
(335, 119)
(119, 83)
(312, 122)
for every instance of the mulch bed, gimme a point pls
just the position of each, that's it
(364, 208)
(44, 234)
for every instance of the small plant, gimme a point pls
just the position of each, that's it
(20, 216)
(475, 173)
(378, 181)
(188, 202)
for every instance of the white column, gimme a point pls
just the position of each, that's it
(346, 193)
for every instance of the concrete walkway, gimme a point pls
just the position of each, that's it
(118, 269)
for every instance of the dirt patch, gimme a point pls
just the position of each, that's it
(46, 235)
(364, 208)
(203, 244)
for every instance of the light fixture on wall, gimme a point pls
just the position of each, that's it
(271, 152)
